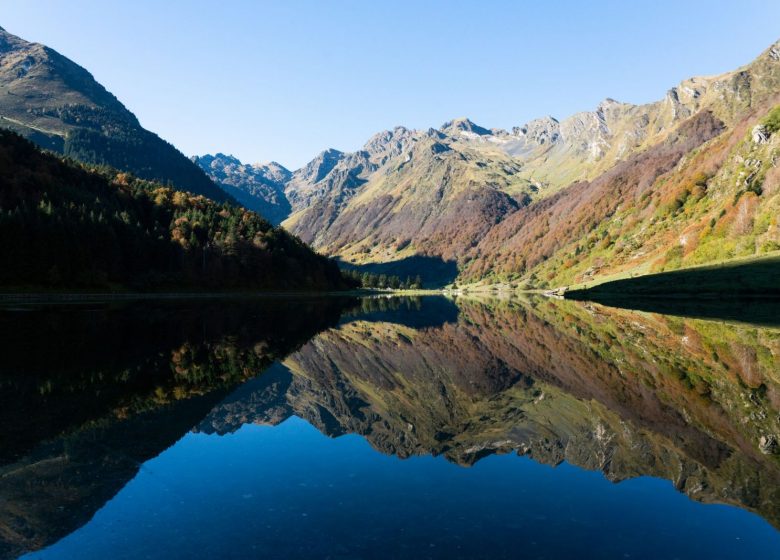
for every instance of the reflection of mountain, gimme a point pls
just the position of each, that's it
(88, 394)
(630, 394)
(413, 312)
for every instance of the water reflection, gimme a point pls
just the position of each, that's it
(88, 393)
(626, 393)
(629, 394)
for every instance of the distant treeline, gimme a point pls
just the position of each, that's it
(64, 225)
(384, 281)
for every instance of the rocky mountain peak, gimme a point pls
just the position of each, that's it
(276, 171)
(607, 103)
(222, 167)
(389, 143)
(59, 105)
(258, 187)
(320, 166)
(10, 42)
(544, 130)
(463, 126)
(219, 158)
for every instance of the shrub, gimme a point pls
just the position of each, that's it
(770, 246)
(772, 120)
(673, 257)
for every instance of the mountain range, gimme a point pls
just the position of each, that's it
(622, 190)
(259, 188)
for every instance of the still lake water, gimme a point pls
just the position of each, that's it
(387, 428)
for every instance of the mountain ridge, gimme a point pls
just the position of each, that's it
(446, 192)
(487, 200)
(59, 105)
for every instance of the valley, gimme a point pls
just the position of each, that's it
(264, 295)
(623, 190)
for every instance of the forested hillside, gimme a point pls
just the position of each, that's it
(64, 226)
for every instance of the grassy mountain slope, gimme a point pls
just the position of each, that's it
(714, 198)
(58, 105)
(531, 237)
(716, 201)
(67, 227)
(406, 193)
(558, 201)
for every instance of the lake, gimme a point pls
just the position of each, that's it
(389, 427)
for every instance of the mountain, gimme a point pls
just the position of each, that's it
(257, 187)
(58, 105)
(406, 193)
(65, 226)
(706, 192)
(464, 127)
(623, 189)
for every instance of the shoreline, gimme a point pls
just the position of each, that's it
(97, 297)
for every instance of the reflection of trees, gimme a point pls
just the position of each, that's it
(89, 394)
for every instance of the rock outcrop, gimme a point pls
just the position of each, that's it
(258, 187)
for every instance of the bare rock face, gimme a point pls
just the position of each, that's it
(768, 444)
(390, 143)
(464, 127)
(302, 188)
(760, 134)
(545, 130)
(258, 187)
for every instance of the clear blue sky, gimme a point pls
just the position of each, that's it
(283, 80)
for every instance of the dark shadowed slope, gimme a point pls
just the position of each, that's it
(727, 291)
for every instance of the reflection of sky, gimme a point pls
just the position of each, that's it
(289, 491)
